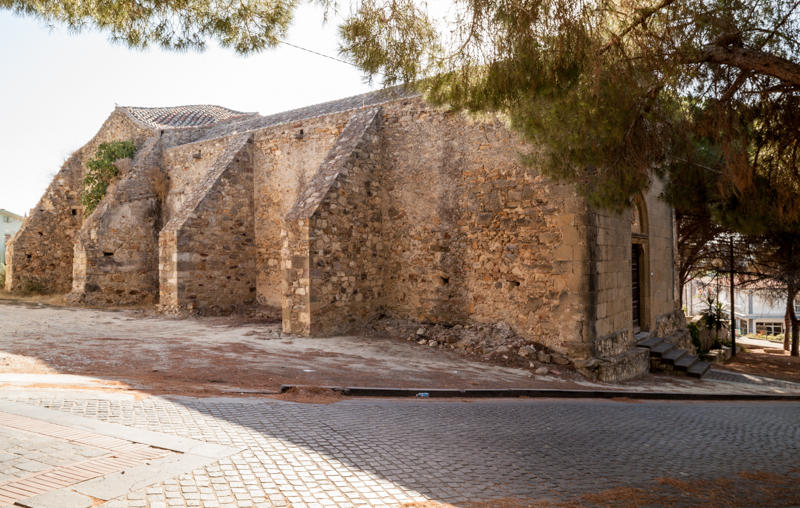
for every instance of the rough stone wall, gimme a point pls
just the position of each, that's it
(207, 250)
(186, 166)
(285, 160)
(296, 285)
(672, 327)
(472, 235)
(332, 241)
(116, 251)
(416, 213)
(610, 294)
(660, 241)
(613, 266)
(40, 256)
(612, 272)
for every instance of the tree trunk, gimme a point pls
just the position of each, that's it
(795, 328)
(787, 321)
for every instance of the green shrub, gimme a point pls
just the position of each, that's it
(694, 331)
(101, 171)
(2, 276)
(32, 287)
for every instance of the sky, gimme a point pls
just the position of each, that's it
(57, 88)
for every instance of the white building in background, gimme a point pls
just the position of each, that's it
(9, 224)
(756, 309)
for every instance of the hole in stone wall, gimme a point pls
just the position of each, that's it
(513, 283)
(41, 234)
(107, 254)
(28, 256)
(74, 211)
(444, 280)
(300, 134)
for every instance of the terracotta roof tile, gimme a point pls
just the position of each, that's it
(182, 116)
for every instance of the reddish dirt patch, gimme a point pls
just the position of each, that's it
(209, 357)
(771, 362)
(745, 489)
(213, 371)
(427, 504)
(310, 395)
(627, 400)
(508, 502)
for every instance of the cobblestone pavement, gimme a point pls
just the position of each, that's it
(390, 452)
(24, 453)
(750, 379)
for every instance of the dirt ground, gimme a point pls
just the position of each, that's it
(210, 356)
(745, 489)
(144, 352)
(769, 362)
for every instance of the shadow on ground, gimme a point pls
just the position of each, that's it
(225, 355)
(482, 453)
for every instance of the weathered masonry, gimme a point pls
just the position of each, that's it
(332, 215)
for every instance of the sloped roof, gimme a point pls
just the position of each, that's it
(224, 122)
(182, 116)
(3, 211)
(369, 99)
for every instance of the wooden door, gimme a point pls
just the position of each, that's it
(636, 294)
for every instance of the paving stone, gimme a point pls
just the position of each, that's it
(365, 453)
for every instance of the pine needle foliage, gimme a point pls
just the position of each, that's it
(612, 91)
(101, 171)
(245, 25)
(615, 91)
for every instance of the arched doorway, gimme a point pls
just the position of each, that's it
(640, 266)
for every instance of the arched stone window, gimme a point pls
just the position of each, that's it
(640, 266)
(639, 217)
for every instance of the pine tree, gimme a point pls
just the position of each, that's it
(614, 90)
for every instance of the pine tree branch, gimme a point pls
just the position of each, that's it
(641, 19)
(750, 60)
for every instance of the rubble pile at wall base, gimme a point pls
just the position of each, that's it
(493, 342)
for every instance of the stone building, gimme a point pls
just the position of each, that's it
(336, 214)
(9, 224)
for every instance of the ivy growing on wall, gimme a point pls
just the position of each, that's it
(101, 171)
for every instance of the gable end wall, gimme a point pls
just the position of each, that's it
(40, 256)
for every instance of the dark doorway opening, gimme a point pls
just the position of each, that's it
(636, 287)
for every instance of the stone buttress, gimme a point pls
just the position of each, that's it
(207, 251)
(331, 243)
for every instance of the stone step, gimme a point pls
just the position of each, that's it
(673, 355)
(698, 368)
(650, 341)
(668, 354)
(660, 349)
(686, 361)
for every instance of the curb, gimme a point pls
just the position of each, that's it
(360, 391)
